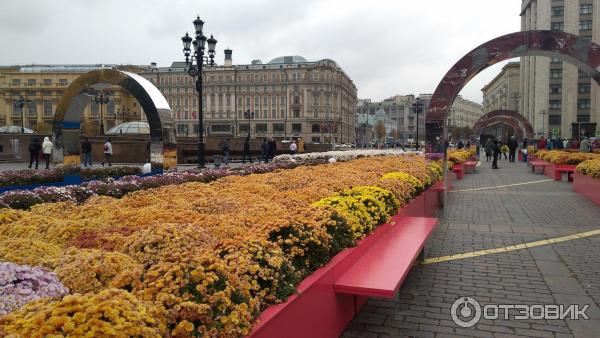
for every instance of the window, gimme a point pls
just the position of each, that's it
(584, 88)
(557, 26)
(244, 128)
(583, 118)
(315, 139)
(182, 129)
(31, 82)
(585, 9)
(583, 75)
(278, 127)
(16, 82)
(296, 100)
(296, 112)
(261, 128)
(555, 104)
(220, 128)
(47, 108)
(555, 89)
(62, 82)
(556, 73)
(47, 82)
(585, 25)
(554, 119)
(32, 108)
(555, 60)
(296, 128)
(558, 11)
(316, 128)
(583, 104)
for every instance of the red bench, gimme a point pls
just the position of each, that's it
(382, 269)
(559, 169)
(458, 170)
(537, 163)
(470, 166)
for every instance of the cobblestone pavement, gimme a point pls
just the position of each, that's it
(562, 273)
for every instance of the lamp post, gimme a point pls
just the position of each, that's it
(20, 103)
(101, 98)
(417, 107)
(196, 71)
(249, 115)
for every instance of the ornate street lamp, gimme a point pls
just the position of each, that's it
(101, 98)
(417, 108)
(20, 103)
(195, 70)
(249, 115)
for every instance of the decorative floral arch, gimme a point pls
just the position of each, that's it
(517, 121)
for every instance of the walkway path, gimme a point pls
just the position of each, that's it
(476, 219)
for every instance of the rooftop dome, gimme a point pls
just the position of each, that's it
(15, 130)
(130, 128)
(288, 59)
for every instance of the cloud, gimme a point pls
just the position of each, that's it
(387, 47)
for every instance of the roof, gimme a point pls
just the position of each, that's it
(288, 59)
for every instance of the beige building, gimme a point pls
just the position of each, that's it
(43, 85)
(289, 96)
(503, 92)
(464, 113)
(556, 96)
(397, 113)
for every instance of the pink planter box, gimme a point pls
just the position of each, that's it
(317, 310)
(549, 170)
(587, 186)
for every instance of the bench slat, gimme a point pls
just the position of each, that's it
(381, 270)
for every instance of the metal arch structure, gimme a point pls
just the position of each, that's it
(568, 47)
(510, 117)
(71, 105)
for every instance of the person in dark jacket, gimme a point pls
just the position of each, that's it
(272, 149)
(86, 149)
(512, 148)
(247, 150)
(34, 152)
(225, 148)
(264, 148)
(489, 148)
(461, 145)
(496, 153)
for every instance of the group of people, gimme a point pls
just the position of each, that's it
(494, 150)
(45, 150)
(584, 145)
(35, 148)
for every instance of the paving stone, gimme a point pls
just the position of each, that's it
(562, 273)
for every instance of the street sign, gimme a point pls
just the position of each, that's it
(555, 131)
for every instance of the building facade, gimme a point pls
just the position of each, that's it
(289, 97)
(398, 115)
(41, 86)
(504, 91)
(558, 98)
(464, 113)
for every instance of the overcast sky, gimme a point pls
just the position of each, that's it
(386, 47)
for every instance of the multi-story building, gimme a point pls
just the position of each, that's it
(503, 92)
(289, 97)
(399, 112)
(41, 86)
(556, 96)
(464, 113)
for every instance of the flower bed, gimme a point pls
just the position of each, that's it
(29, 176)
(457, 156)
(339, 156)
(205, 259)
(590, 168)
(565, 157)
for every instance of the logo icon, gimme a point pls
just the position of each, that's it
(465, 311)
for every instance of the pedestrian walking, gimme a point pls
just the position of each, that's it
(264, 148)
(34, 152)
(108, 151)
(272, 148)
(225, 148)
(247, 150)
(584, 145)
(512, 148)
(293, 147)
(504, 150)
(47, 150)
(86, 149)
(496, 154)
(489, 148)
